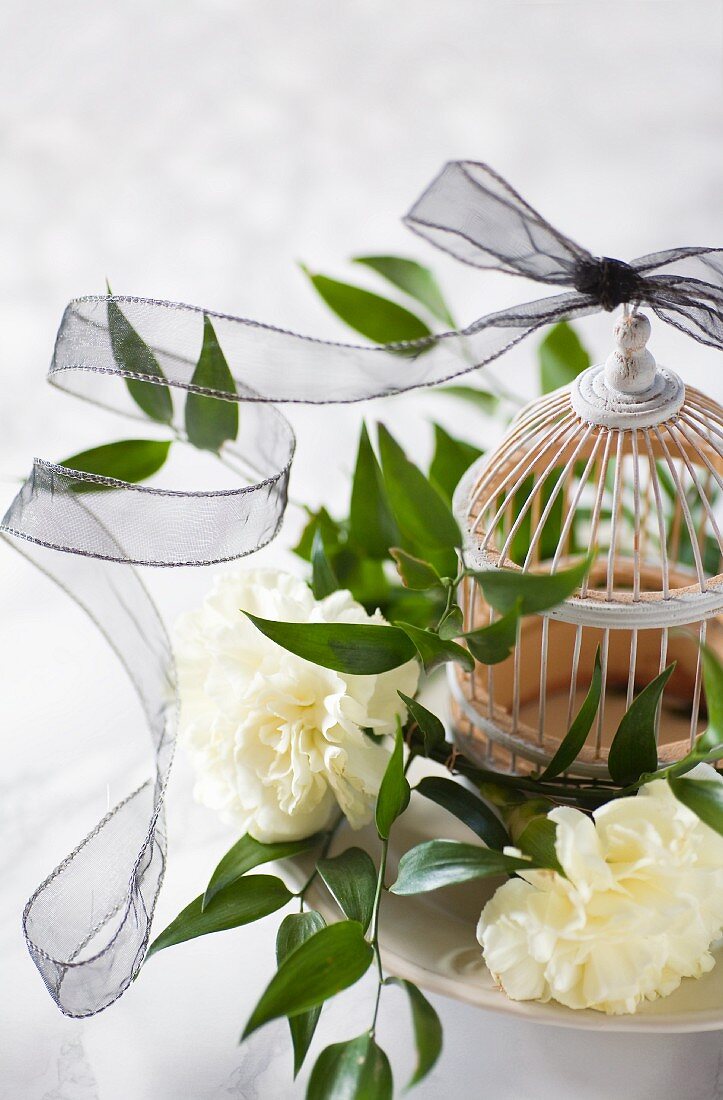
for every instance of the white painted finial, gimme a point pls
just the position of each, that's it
(631, 368)
(629, 390)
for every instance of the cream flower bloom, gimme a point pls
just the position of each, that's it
(277, 742)
(638, 912)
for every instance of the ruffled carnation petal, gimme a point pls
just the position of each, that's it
(638, 910)
(278, 744)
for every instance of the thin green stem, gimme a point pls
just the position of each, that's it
(331, 833)
(375, 927)
(448, 604)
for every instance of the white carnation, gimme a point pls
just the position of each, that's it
(638, 912)
(278, 742)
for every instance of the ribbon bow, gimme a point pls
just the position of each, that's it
(472, 213)
(88, 923)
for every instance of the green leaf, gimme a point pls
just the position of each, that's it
(633, 750)
(431, 727)
(133, 355)
(414, 279)
(248, 853)
(331, 960)
(130, 460)
(323, 579)
(331, 533)
(537, 840)
(371, 523)
(360, 649)
(712, 738)
(393, 797)
(242, 902)
(494, 643)
(364, 577)
(423, 515)
(466, 807)
(416, 574)
(502, 588)
(483, 400)
(377, 318)
(422, 609)
(562, 357)
(210, 421)
(294, 930)
(437, 863)
(352, 881)
(427, 1029)
(357, 1069)
(435, 651)
(452, 625)
(576, 736)
(452, 458)
(704, 797)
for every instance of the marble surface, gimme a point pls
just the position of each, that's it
(194, 151)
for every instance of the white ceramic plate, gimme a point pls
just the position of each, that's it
(430, 939)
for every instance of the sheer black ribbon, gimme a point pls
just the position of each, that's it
(87, 926)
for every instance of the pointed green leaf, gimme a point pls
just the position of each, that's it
(422, 609)
(357, 1069)
(331, 960)
(133, 355)
(483, 400)
(466, 807)
(294, 930)
(452, 458)
(562, 357)
(352, 881)
(244, 901)
(371, 523)
(537, 840)
(432, 729)
(452, 625)
(393, 797)
(437, 863)
(704, 797)
(377, 318)
(423, 516)
(362, 576)
(323, 579)
(502, 588)
(130, 460)
(416, 281)
(248, 853)
(360, 649)
(633, 750)
(427, 1029)
(494, 643)
(331, 532)
(712, 738)
(576, 736)
(435, 651)
(416, 574)
(211, 421)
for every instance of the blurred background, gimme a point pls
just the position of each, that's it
(197, 151)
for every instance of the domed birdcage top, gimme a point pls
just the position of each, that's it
(626, 463)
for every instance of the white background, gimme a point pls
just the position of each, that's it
(194, 151)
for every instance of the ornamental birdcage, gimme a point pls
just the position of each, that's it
(627, 463)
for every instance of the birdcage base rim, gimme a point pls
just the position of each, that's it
(486, 733)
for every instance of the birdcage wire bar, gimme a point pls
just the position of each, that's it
(646, 501)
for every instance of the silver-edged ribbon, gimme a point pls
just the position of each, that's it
(88, 924)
